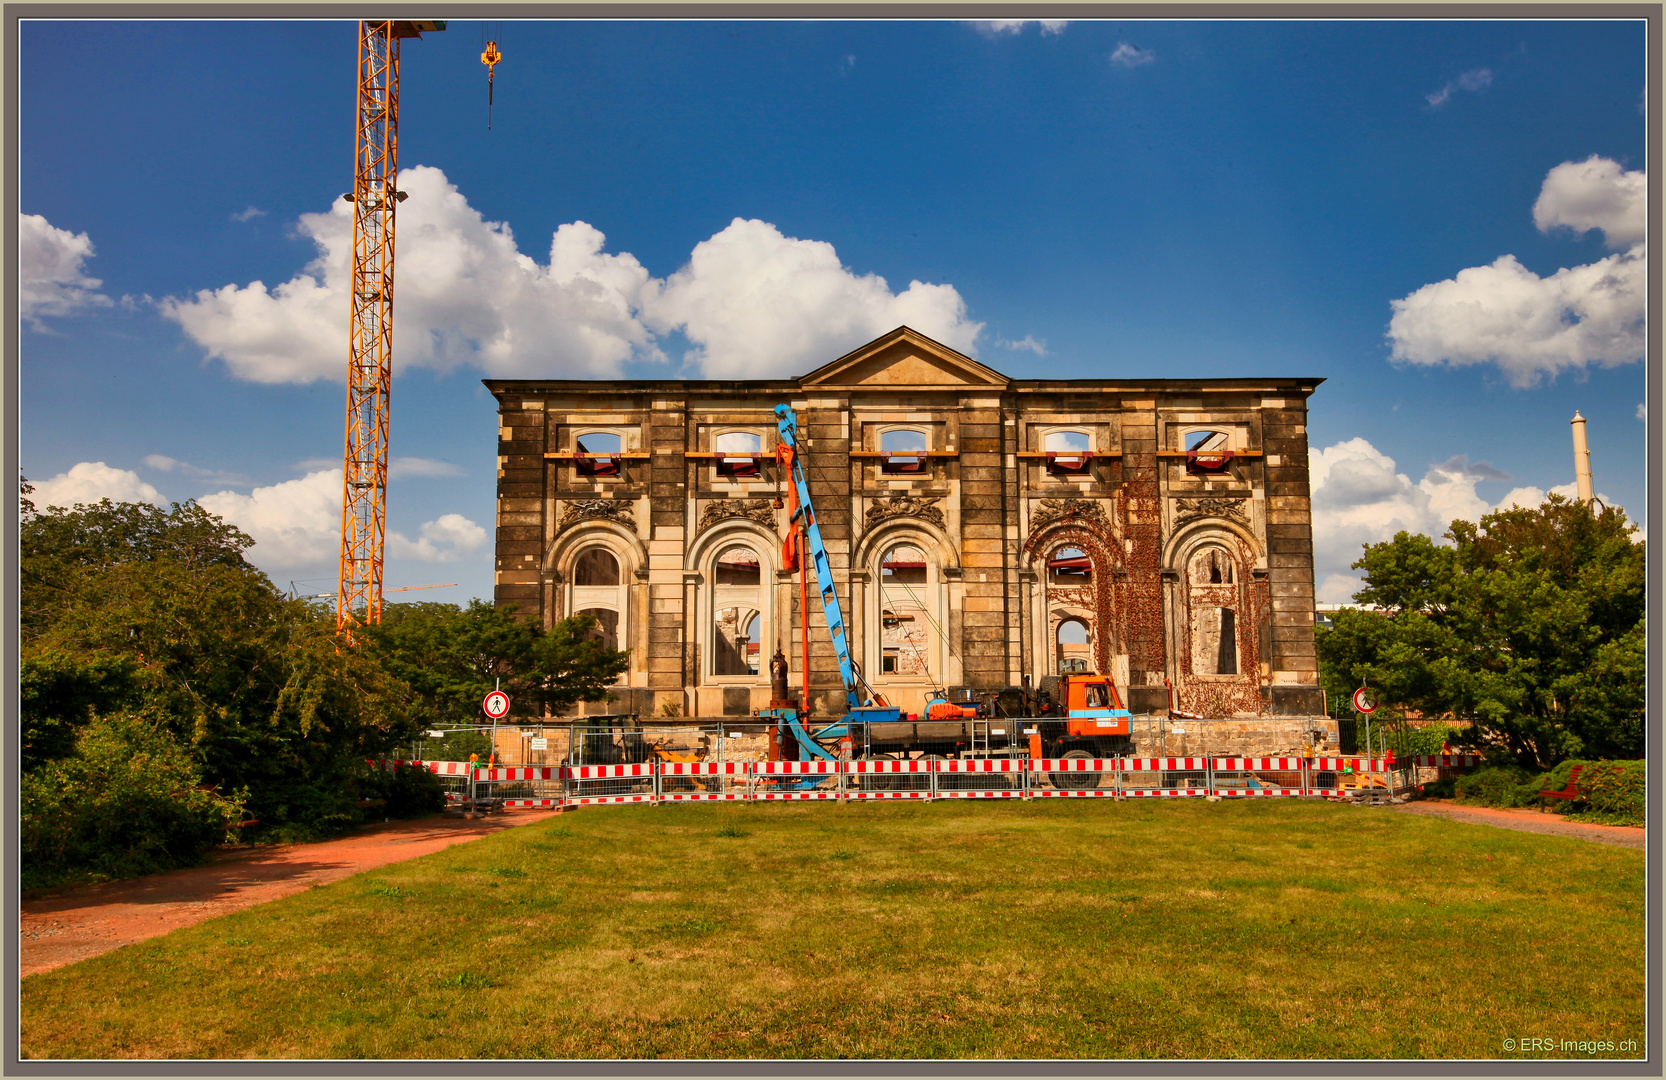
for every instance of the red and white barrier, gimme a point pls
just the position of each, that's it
(503, 774)
(1148, 779)
(884, 778)
(769, 780)
(1062, 790)
(955, 778)
(613, 779)
(713, 781)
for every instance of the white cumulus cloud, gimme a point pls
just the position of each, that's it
(995, 28)
(51, 273)
(749, 296)
(1028, 344)
(1595, 194)
(756, 304)
(1361, 497)
(445, 539)
(1643, 411)
(90, 481)
(1131, 56)
(295, 525)
(1532, 326)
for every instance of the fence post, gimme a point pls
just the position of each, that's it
(1209, 776)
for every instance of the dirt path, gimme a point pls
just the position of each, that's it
(1530, 821)
(83, 922)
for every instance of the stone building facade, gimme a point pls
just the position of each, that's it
(981, 530)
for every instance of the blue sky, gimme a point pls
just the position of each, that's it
(1114, 199)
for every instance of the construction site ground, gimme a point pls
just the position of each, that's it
(83, 922)
(79, 923)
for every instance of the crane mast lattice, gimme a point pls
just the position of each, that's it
(375, 196)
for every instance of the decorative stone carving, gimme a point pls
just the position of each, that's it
(1048, 511)
(1221, 507)
(618, 511)
(758, 510)
(922, 507)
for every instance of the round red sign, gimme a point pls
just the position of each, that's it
(1365, 701)
(496, 704)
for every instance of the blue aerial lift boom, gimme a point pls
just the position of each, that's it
(803, 515)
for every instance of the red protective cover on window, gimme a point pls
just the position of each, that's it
(597, 466)
(1207, 460)
(1068, 462)
(903, 461)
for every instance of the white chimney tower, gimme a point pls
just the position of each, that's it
(1582, 461)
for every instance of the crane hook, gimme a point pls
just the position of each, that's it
(490, 58)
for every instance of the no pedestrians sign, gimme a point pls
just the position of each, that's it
(496, 704)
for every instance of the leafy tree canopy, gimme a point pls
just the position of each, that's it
(133, 606)
(452, 657)
(1530, 625)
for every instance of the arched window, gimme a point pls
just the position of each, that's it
(739, 625)
(905, 450)
(600, 452)
(1071, 647)
(1069, 566)
(1213, 596)
(1208, 452)
(908, 615)
(738, 453)
(596, 586)
(595, 566)
(1068, 452)
(606, 629)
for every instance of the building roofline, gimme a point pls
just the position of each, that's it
(1021, 386)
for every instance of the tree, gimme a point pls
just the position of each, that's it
(452, 657)
(157, 611)
(1530, 626)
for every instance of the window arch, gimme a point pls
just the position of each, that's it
(601, 450)
(905, 450)
(738, 453)
(909, 610)
(1072, 647)
(1208, 451)
(1213, 597)
(596, 586)
(738, 613)
(1068, 452)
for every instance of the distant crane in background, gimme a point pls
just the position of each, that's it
(375, 195)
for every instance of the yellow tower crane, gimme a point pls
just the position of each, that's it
(374, 197)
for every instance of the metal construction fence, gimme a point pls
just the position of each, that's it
(521, 787)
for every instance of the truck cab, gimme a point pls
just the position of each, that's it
(1080, 715)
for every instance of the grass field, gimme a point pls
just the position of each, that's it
(1080, 929)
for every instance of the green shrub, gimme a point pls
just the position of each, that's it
(128, 801)
(407, 791)
(1499, 785)
(1615, 788)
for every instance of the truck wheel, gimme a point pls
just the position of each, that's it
(1075, 780)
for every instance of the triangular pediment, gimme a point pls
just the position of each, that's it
(904, 358)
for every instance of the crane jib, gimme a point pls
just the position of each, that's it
(788, 426)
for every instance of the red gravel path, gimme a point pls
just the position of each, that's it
(1530, 821)
(79, 923)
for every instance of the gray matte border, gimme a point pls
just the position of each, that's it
(13, 1065)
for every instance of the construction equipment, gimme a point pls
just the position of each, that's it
(1076, 715)
(374, 197)
(490, 58)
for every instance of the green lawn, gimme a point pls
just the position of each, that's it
(1079, 929)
